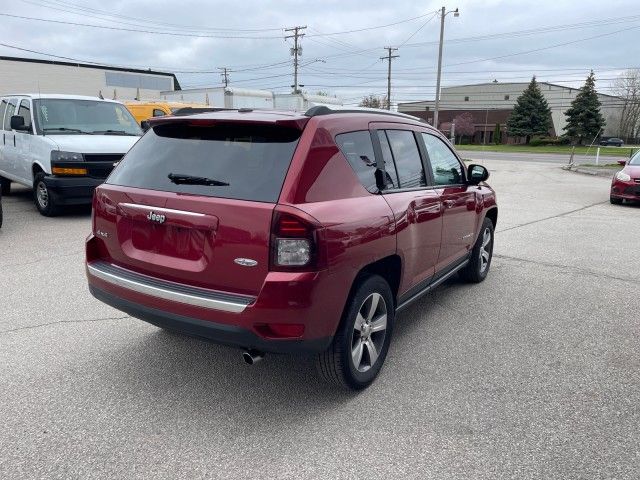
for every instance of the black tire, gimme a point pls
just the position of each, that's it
(615, 201)
(5, 186)
(42, 197)
(481, 255)
(336, 365)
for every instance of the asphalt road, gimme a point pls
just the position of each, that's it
(558, 158)
(534, 373)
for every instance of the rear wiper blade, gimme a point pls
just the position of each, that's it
(113, 132)
(65, 129)
(178, 179)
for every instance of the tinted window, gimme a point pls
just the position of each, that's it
(3, 108)
(389, 165)
(11, 110)
(358, 150)
(407, 158)
(25, 112)
(252, 159)
(158, 113)
(444, 164)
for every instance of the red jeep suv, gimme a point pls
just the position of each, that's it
(288, 232)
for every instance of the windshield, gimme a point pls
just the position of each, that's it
(66, 116)
(635, 160)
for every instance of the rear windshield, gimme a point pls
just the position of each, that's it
(252, 159)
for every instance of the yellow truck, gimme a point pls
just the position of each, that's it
(143, 111)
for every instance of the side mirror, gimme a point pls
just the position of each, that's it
(17, 123)
(622, 162)
(476, 174)
(144, 124)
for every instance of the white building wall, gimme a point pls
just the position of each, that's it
(504, 95)
(32, 77)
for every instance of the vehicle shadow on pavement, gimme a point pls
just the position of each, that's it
(22, 198)
(193, 374)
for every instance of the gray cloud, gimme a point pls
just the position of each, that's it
(351, 65)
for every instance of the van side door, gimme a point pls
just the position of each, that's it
(3, 109)
(24, 140)
(9, 140)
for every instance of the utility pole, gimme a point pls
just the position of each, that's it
(388, 58)
(443, 13)
(225, 75)
(296, 51)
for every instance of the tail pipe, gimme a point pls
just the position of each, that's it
(252, 356)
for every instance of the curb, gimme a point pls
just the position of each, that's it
(589, 171)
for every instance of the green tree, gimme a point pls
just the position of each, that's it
(584, 119)
(497, 135)
(531, 114)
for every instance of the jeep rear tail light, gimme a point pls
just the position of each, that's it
(294, 242)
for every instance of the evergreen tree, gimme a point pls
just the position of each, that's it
(497, 135)
(531, 114)
(584, 119)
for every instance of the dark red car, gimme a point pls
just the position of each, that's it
(288, 232)
(625, 184)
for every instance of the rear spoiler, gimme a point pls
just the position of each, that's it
(210, 116)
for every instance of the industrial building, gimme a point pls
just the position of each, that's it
(492, 103)
(19, 75)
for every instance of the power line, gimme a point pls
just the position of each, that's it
(154, 32)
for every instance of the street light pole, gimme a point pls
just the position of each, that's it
(443, 13)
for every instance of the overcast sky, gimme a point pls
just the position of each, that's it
(571, 37)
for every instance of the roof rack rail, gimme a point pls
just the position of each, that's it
(324, 110)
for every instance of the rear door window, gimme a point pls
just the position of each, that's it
(158, 113)
(389, 164)
(252, 159)
(407, 158)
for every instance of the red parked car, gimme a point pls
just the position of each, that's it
(288, 232)
(625, 184)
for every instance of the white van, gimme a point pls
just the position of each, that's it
(63, 146)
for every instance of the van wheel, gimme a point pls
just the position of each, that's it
(478, 267)
(615, 201)
(360, 346)
(5, 186)
(43, 198)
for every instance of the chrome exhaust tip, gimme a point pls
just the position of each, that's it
(252, 357)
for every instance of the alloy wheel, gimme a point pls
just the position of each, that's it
(369, 332)
(485, 250)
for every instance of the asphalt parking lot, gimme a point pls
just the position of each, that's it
(534, 373)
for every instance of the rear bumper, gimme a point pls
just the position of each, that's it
(72, 190)
(224, 334)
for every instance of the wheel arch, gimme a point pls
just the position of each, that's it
(492, 214)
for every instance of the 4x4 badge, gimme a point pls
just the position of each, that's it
(154, 217)
(246, 262)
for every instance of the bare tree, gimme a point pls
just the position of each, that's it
(374, 101)
(627, 87)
